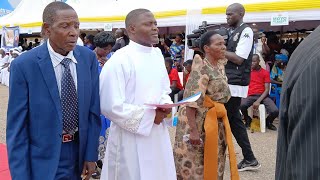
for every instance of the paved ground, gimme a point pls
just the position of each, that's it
(263, 145)
(3, 111)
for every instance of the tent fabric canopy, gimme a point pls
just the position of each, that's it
(96, 13)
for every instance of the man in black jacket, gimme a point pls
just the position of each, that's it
(299, 131)
(238, 68)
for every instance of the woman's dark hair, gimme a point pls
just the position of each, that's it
(188, 62)
(168, 42)
(104, 39)
(205, 39)
(90, 37)
(180, 35)
(169, 61)
(82, 35)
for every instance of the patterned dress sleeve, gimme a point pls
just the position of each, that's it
(197, 82)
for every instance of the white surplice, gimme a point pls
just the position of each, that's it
(137, 149)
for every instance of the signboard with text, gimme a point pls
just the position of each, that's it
(280, 19)
(107, 27)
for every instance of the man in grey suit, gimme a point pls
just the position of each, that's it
(299, 132)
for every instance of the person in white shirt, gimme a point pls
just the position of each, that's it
(260, 46)
(4, 62)
(138, 145)
(238, 69)
(5, 72)
(3, 58)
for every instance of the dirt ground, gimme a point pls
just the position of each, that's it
(263, 145)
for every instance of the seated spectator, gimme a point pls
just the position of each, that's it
(277, 71)
(187, 65)
(36, 43)
(160, 46)
(175, 83)
(285, 52)
(258, 93)
(178, 64)
(30, 46)
(166, 44)
(176, 48)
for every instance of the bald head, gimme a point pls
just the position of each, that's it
(238, 8)
(119, 33)
(50, 11)
(141, 27)
(133, 16)
(235, 13)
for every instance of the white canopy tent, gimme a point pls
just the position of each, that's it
(28, 15)
(95, 14)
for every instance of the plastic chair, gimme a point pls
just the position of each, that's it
(181, 81)
(181, 77)
(262, 116)
(275, 92)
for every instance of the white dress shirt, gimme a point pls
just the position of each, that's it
(58, 67)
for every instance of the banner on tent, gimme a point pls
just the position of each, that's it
(10, 37)
(107, 27)
(280, 19)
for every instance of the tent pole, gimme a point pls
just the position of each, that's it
(281, 32)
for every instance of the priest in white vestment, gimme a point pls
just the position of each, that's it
(138, 148)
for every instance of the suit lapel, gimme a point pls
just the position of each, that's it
(81, 76)
(49, 76)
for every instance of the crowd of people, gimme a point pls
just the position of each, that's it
(73, 108)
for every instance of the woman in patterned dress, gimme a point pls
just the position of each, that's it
(208, 77)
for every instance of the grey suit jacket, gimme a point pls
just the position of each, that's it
(298, 149)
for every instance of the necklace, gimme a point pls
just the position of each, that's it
(213, 65)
